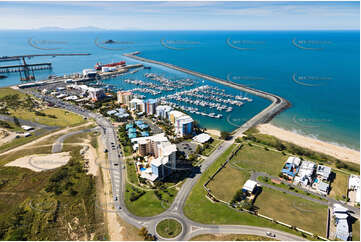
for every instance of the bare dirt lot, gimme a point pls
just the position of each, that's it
(41, 162)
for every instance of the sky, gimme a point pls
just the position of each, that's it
(182, 15)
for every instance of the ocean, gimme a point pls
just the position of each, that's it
(317, 71)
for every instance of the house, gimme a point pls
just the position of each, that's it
(341, 216)
(249, 186)
(323, 172)
(354, 185)
(306, 173)
(323, 187)
(291, 167)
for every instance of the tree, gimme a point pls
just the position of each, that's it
(225, 135)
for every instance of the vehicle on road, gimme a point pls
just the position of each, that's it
(269, 234)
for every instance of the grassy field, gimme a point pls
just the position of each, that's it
(23, 140)
(288, 187)
(63, 118)
(356, 231)
(258, 159)
(227, 182)
(198, 208)
(131, 171)
(24, 152)
(230, 237)
(293, 210)
(78, 138)
(339, 186)
(307, 154)
(169, 228)
(148, 204)
(22, 106)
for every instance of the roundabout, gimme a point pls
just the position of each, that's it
(169, 228)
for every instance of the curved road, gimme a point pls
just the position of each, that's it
(190, 228)
(58, 144)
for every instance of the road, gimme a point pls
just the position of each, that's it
(58, 144)
(118, 176)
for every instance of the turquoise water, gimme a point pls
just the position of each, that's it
(317, 71)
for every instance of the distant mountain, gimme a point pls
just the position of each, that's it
(86, 28)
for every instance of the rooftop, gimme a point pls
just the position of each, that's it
(202, 138)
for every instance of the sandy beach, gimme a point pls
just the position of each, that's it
(339, 152)
(214, 132)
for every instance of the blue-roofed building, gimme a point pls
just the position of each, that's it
(128, 126)
(144, 133)
(132, 130)
(138, 122)
(291, 167)
(132, 135)
(143, 126)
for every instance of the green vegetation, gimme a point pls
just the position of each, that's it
(49, 205)
(255, 136)
(356, 230)
(226, 183)
(169, 228)
(293, 210)
(26, 107)
(230, 237)
(23, 140)
(289, 187)
(148, 203)
(258, 159)
(125, 141)
(11, 126)
(225, 135)
(208, 148)
(200, 209)
(6, 158)
(131, 171)
(339, 186)
(63, 117)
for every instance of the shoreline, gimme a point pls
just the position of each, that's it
(339, 152)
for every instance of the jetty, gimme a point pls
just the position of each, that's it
(278, 103)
